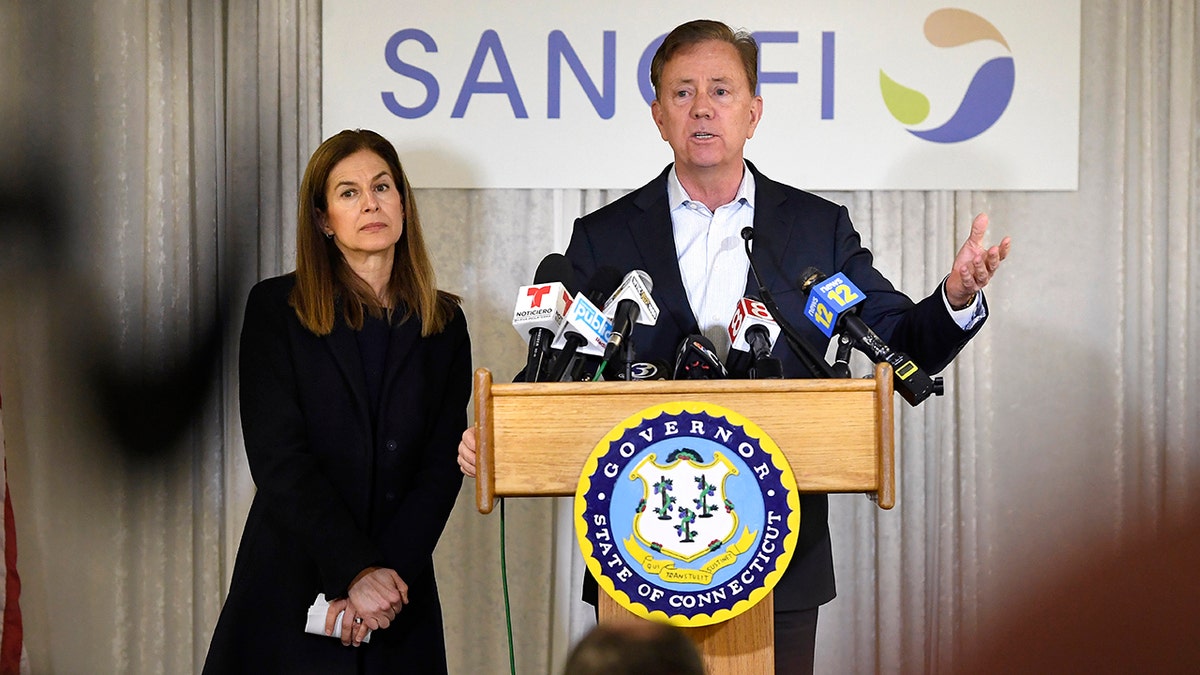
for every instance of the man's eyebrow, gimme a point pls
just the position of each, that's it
(692, 80)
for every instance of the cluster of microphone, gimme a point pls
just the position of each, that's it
(588, 334)
(568, 329)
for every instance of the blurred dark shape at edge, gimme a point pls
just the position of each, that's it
(147, 409)
(1124, 607)
(634, 647)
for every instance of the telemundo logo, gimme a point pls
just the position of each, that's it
(987, 96)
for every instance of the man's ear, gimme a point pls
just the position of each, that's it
(656, 113)
(756, 111)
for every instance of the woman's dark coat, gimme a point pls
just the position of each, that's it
(335, 495)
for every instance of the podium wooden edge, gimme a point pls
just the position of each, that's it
(885, 497)
(485, 448)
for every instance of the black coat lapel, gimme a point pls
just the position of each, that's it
(343, 346)
(401, 346)
(772, 236)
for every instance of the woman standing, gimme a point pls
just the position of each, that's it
(355, 373)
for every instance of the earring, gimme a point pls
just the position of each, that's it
(329, 235)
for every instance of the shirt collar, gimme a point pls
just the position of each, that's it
(677, 196)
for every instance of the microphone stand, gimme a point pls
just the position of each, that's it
(627, 354)
(815, 363)
(841, 362)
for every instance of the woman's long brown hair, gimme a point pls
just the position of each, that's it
(323, 277)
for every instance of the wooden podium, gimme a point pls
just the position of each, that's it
(837, 436)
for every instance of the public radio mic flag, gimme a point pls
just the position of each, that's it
(587, 321)
(13, 658)
(585, 329)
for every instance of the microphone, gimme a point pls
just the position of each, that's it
(629, 304)
(813, 361)
(541, 310)
(585, 328)
(831, 303)
(753, 330)
(696, 359)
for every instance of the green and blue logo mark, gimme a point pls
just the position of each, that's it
(987, 96)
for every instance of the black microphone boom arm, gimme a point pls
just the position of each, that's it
(811, 359)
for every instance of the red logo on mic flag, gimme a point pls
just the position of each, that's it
(536, 292)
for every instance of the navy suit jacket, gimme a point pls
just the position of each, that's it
(793, 230)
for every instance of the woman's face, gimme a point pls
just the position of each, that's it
(364, 207)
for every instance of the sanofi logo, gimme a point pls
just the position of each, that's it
(987, 96)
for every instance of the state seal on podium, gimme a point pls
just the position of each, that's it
(687, 512)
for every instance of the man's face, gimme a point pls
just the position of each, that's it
(705, 108)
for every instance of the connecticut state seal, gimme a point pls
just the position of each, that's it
(687, 512)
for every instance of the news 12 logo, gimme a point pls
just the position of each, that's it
(831, 298)
(987, 96)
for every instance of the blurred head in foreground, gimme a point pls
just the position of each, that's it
(634, 648)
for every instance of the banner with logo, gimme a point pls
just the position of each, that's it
(858, 95)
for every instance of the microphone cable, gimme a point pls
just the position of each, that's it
(512, 659)
(815, 363)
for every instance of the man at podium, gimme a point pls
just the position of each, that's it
(684, 229)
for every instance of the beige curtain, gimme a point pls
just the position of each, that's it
(151, 153)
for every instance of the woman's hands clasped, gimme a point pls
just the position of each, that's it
(376, 596)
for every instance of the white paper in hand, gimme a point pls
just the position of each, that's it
(316, 619)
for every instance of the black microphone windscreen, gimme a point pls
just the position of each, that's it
(810, 277)
(696, 359)
(738, 363)
(556, 267)
(602, 284)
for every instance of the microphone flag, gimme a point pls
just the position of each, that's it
(588, 322)
(829, 299)
(750, 312)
